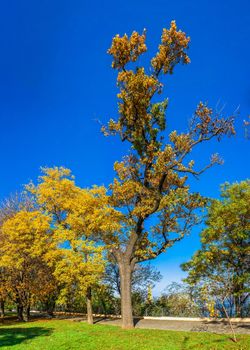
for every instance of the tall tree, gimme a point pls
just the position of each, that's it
(225, 246)
(151, 189)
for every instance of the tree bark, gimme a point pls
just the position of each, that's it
(50, 307)
(27, 314)
(2, 308)
(20, 312)
(89, 306)
(126, 302)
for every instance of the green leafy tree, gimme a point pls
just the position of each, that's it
(178, 301)
(225, 247)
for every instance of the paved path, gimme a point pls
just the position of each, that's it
(195, 326)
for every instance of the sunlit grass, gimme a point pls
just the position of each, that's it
(62, 335)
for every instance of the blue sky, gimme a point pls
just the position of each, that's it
(56, 81)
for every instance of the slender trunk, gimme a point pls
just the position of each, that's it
(89, 306)
(20, 312)
(230, 323)
(126, 302)
(2, 308)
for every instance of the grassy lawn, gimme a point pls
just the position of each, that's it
(59, 334)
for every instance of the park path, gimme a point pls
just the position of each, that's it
(214, 327)
(194, 326)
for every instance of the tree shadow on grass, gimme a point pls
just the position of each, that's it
(185, 341)
(14, 336)
(100, 319)
(137, 320)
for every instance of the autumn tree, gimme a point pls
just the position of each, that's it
(78, 214)
(8, 208)
(3, 290)
(151, 187)
(25, 241)
(224, 258)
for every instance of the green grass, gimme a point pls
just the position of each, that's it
(62, 335)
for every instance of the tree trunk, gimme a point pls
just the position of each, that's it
(2, 308)
(229, 322)
(50, 307)
(89, 306)
(126, 302)
(27, 314)
(104, 309)
(20, 312)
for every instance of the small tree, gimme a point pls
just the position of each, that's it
(142, 277)
(77, 214)
(8, 208)
(151, 189)
(25, 240)
(177, 300)
(216, 291)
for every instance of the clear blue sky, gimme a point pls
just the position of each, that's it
(56, 80)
